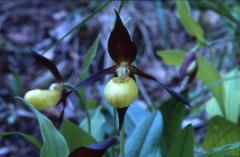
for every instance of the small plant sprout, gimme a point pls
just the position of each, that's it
(122, 90)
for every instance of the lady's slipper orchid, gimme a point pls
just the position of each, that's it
(45, 99)
(123, 51)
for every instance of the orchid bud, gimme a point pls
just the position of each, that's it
(189, 67)
(120, 93)
(44, 99)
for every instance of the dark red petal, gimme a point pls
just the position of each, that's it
(95, 77)
(169, 90)
(94, 150)
(121, 114)
(49, 64)
(184, 69)
(120, 46)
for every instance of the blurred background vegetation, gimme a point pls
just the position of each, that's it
(154, 26)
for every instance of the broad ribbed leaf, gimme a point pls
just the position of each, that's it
(183, 144)
(191, 26)
(75, 136)
(232, 96)
(97, 123)
(88, 58)
(27, 137)
(221, 150)
(54, 143)
(173, 114)
(94, 150)
(145, 139)
(120, 46)
(206, 72)
(219, 133)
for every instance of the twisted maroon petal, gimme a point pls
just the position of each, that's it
(94, 150)
(49, 64)
(175, 94)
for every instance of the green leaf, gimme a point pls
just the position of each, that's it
(27, 137)
(97, 123)
(75, 136)
(221, 150)
(183, 144)
(134, 115)
(213, 109)
(232, 101)
(145, 139)
(88, 57)
(219, 133)
(232, 95)
(192, 27)
(207, 72)
(54, 143)
(173, 113)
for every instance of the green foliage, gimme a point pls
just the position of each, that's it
(217, 7)
(75, 136)
(232, 101)
(54, 143)
(219, 133)
(88, 58)
(183, 144)
(221, 150)
(173, 113)
(145, 139)
(97, 122)
(191, 26)
(206, 72)
(27, 137)
(232, 96)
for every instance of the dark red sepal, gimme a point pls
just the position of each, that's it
(184, 69)
(176, 95)
(121, 114)
(120, 46)
(95, 77)
(94, 150)
(49, 64)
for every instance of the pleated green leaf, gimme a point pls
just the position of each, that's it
(221, 132)
(75, 136)
(145, 139)
(191, 26)
(27, 137)
(173, 113)
(183, 144)
(54, 143)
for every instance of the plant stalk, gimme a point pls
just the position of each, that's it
(114, 129)
(122, 141)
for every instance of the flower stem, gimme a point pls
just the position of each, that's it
(114, 129)
(122, 141)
